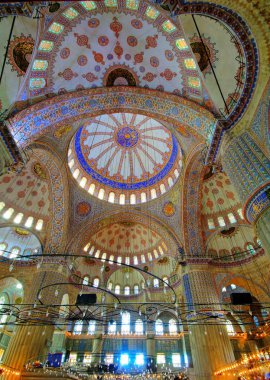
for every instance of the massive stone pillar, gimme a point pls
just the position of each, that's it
(32, 341)
(248, 168)
(210, 345)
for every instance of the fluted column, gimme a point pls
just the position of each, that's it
(210, 345)
(29, 343)
(248, 168)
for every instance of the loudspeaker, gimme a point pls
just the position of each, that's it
(241, 298)
(86, 299)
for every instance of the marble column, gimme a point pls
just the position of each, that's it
(248, 168)
(210, 345)
(30, 343)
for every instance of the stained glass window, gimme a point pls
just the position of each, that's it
(190, 63)
(78, 328)
(159, 327)
(111, 3)
(181, 44)
(133, 4)
(152, 12)
(56, 28)
(92, 327)
(125, 326)
(89, 5)
(168, 26)
(194, 82)
(112, 328)
(40, 65)
(70, 13)
(176, 360)
(172, 327)
(45, 46)
(139, 327)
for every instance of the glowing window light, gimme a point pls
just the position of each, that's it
(96, 282)
(133, 199)
(150, 256)
(176, 360)
(152, 12)
(259, 242)
(155, 253)
(39, 225)
(83, 182)
(125, 325)
(87, 359)
(162, 188)
(3, 247)
(160, 250)
(122, 199)
(70, 13)
(110, 285)
(156, 283)
(194, 82)
(76, 173)
(136, 289)
(229, 328)
(46, 46)
(111, 3)
(36, 83)
(190, 63)
(89, 5)
(127, 290)
(133, 4)
(124, 359)
(85, 280)
(91, 189)
(103, 257)
(2, 205)
(172, 327)
(139, 327)
(143, 197)
(231, 218)
(181, 44)
(127, 260)
(164, 246)
(161, 359)
(109, 359)
(18, 218)
(240, 213)
(139, 360)
(91, 327)
(19, 286)
(119, 260)
(211, 224)
(159, 327)
(224, 290)
(56, 28)
(135, 260)
(69, 152)
(166, 280)
(221, 221)
(29, 222)
(176, 173)
(233, 286)
(111, 197)
(112, 328)
(170, 181)
(111, 259)
(168, 26)
(143, 259)
(117, 289)
(73, 355)
(101, 193)
(91, 250)
(86, 247)
(153, 193)
(7, 214)
(78, 328)
(40, 65)
(97, 253)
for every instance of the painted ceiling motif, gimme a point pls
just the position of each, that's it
(127, 239)
(28, 192)
(223, 48)
(115, 43)
(125, 154)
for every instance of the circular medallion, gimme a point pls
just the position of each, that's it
(83, 208)
(169, 209)
(127, 137)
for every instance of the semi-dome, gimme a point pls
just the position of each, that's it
(125, 158)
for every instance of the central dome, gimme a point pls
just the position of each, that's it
(125, 158)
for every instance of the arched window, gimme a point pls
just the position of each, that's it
(101, 193)
(229, 328)
(156, 283)
(125, 326)
(78, 328)
(76, 173)
(14, 252)
(165, 279)
(96, 282)
(256, 321)
(3, 247)
(172, 327)
(159, 327)
(127, 290)
(112, 328)
(231, 218)
(103, 257)
(117, 289)
(135, 260)
(251, 249)
(139, 327)
(110, 285)
(111, 197)
(91, 327)
(136, 289)
(91, 189)
(85, 280)
(83, 182)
